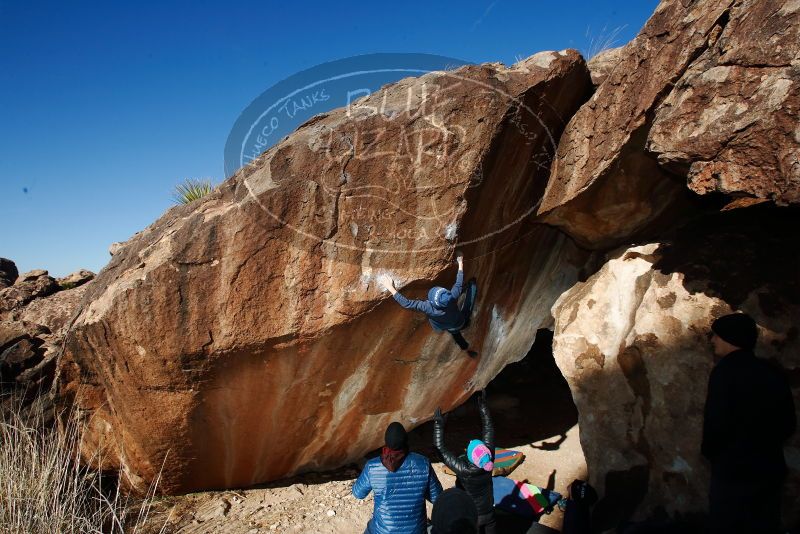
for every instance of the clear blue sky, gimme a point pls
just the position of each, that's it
(105, 106)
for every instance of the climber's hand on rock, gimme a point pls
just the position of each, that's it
(482, 396)
(460, 260)
(386, 281)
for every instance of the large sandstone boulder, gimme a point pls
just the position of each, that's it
(707, 92)
(243, 337)
(632, 343)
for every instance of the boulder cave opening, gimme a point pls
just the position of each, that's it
(532, 411)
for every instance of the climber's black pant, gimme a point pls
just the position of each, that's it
(460, 341)
(466, 310)
(469, 301)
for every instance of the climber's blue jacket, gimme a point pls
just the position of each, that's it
(449, 318)
(399, 496)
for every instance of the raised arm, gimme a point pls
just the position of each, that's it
(419, 305)
(452, 461)
(486, 422)
(456, 289)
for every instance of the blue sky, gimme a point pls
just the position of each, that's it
(105, 106)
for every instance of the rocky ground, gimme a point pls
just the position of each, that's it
(533, 412)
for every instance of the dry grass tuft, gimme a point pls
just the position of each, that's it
(43, 490)
(605, 40)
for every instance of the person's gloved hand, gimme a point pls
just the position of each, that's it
(438, 417)
(482, 397)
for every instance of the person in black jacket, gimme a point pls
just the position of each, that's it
(454, 512)
(749, 413)
(474, 472)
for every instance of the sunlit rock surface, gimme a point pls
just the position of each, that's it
(243, 338)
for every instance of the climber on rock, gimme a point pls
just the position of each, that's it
(442, 307)
(401, 482)
(474, 471)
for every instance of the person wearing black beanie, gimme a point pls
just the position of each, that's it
(396, 436)
(400, 481)
(749, 413)
(394, 453)
(738, 329)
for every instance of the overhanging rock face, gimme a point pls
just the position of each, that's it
(707, 94)
(244, 338)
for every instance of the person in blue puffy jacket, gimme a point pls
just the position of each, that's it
(401, 481)
(442, 307)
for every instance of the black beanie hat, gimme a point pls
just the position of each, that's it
(454, 512)
(738, 329)
(396, 436)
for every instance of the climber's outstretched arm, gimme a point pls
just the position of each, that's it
(456, 289)
(420, 305)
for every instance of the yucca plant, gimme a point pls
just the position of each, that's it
(191, 189)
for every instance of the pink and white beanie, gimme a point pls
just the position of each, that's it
(479, 454)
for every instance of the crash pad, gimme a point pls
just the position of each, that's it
(523, 499)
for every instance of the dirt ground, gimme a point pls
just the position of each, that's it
(532, 410)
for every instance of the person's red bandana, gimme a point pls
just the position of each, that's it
(392, 459)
